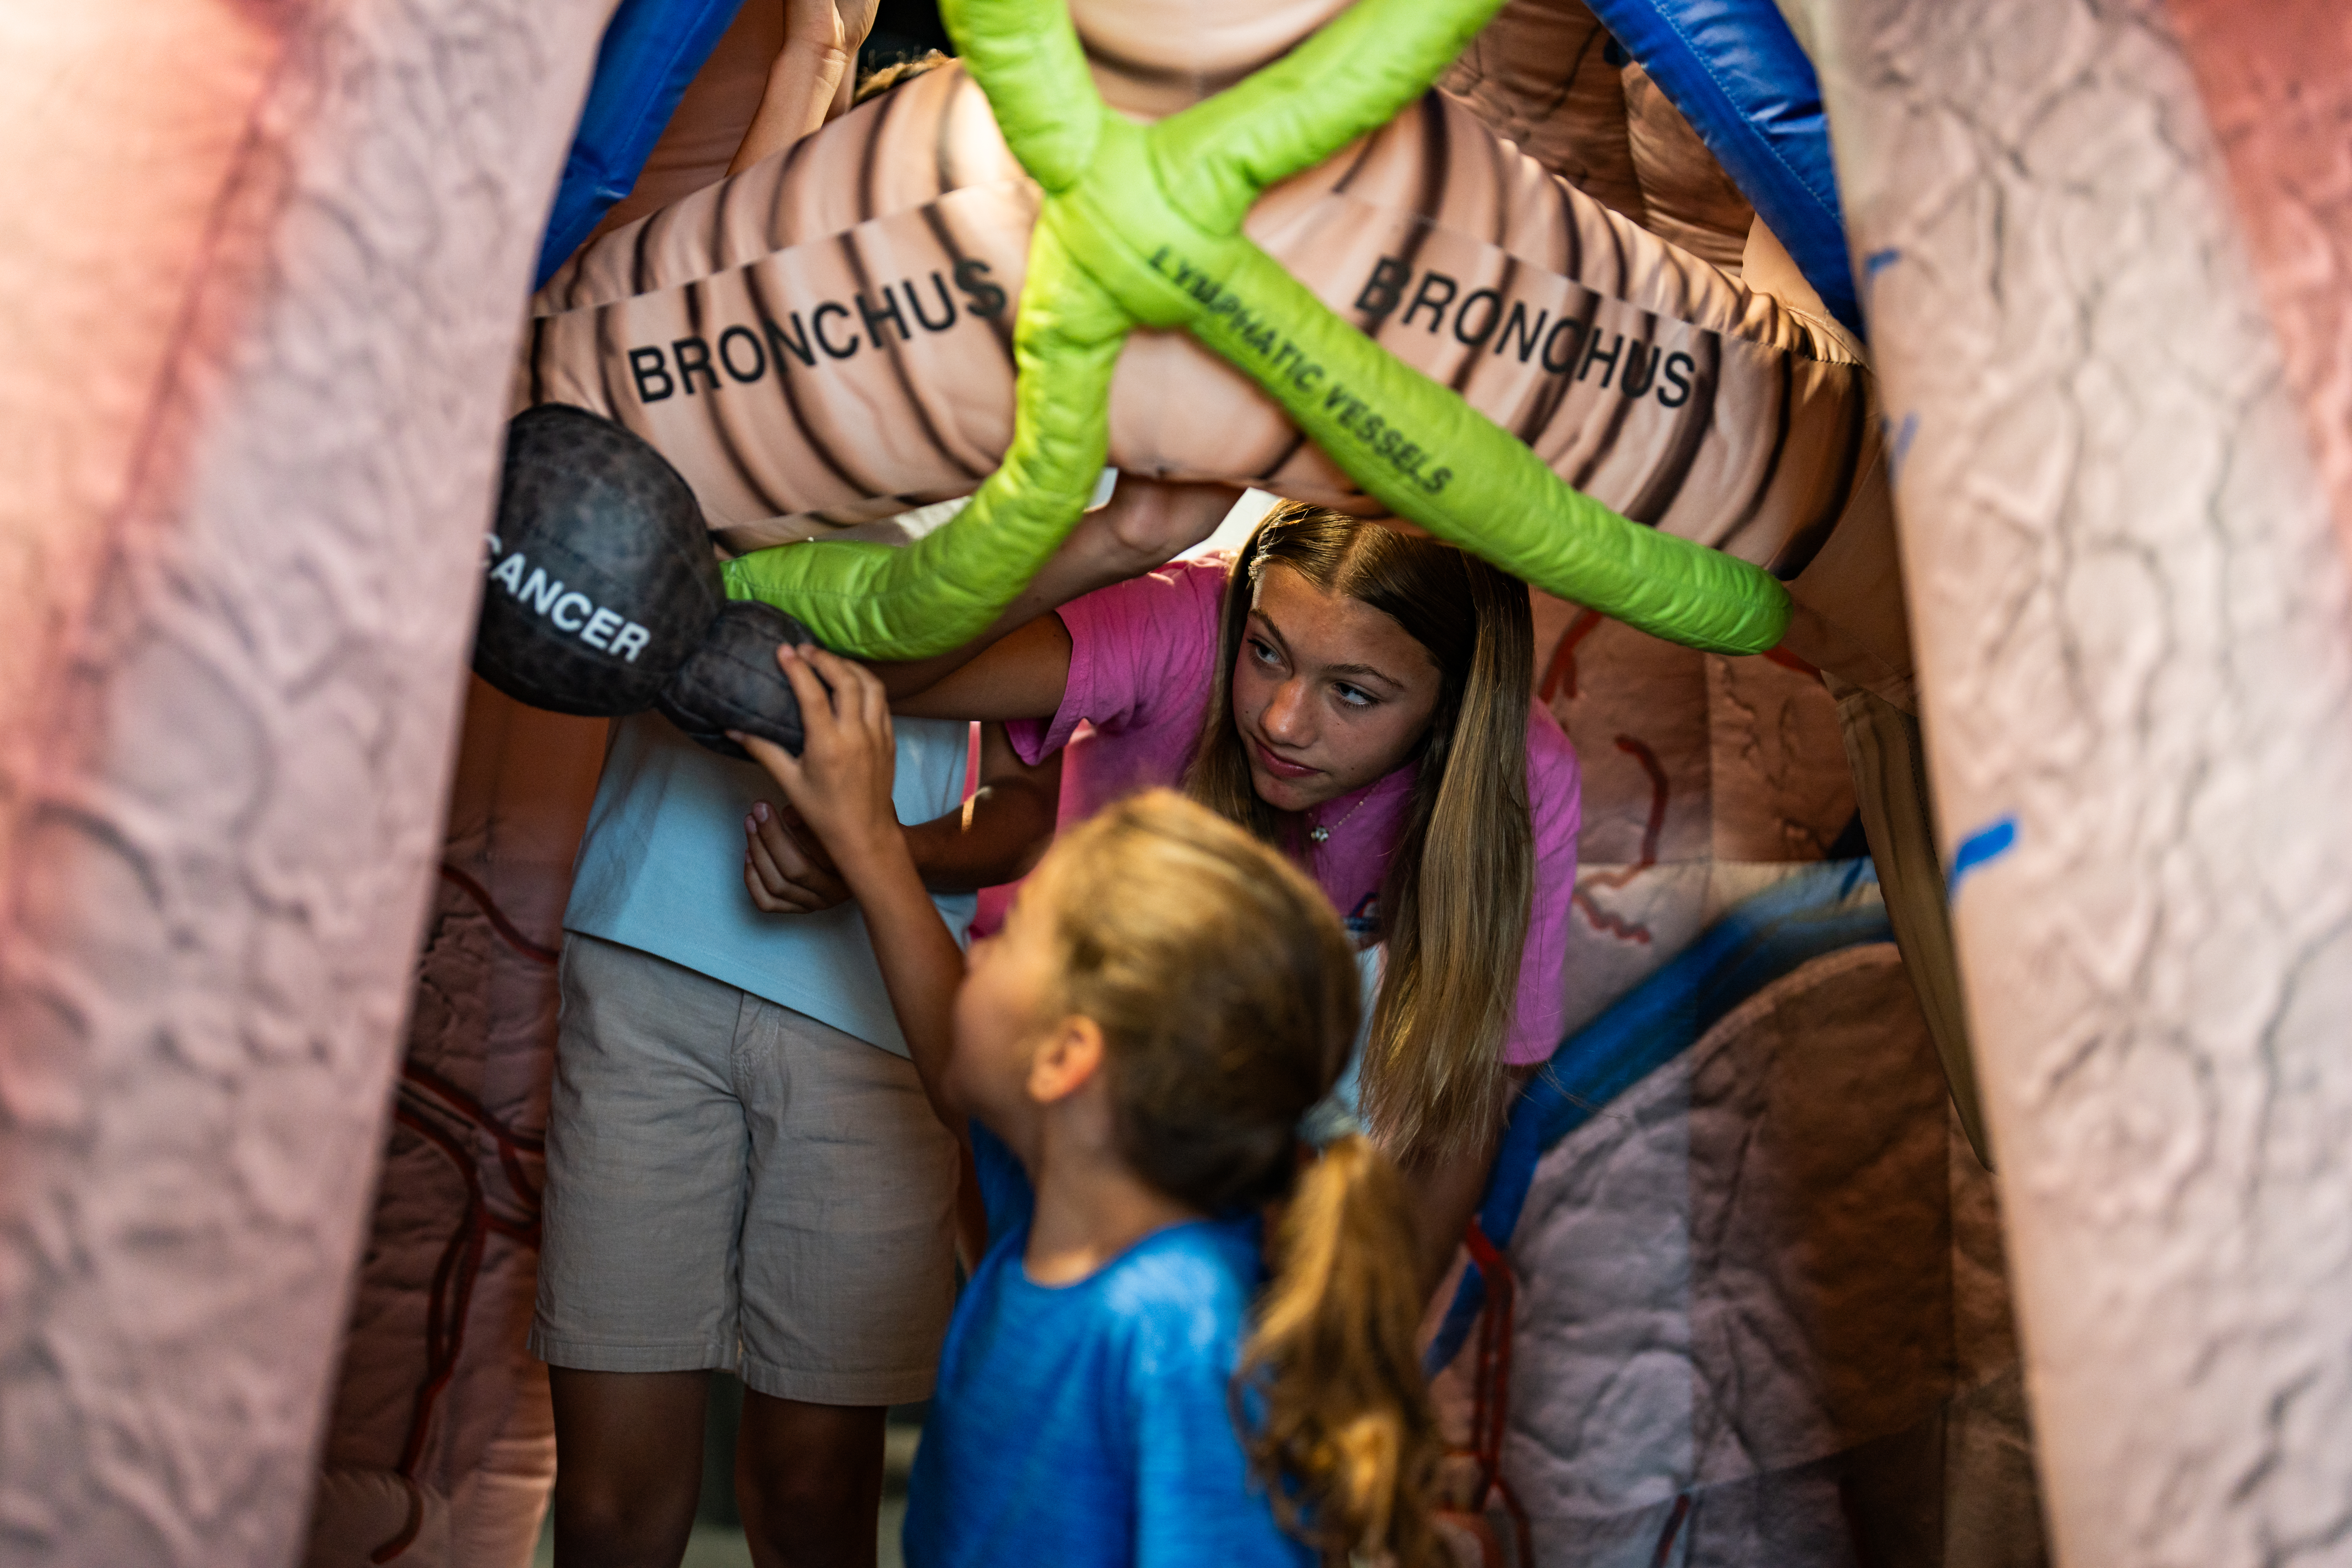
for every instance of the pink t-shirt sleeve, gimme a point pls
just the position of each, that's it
(1554, 802)
(1143, 653)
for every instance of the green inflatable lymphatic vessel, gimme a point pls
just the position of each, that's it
(1141, 226)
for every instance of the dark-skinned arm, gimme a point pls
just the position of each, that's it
(998, 834)
(993, 837)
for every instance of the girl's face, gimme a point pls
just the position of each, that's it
(999, 1015)
(1329, 692)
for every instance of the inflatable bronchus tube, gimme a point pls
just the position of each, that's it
(1428, 324)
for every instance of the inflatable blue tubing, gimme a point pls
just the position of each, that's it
(1740, 77)
(652, 48)
(1813, 913)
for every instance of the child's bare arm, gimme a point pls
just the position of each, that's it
(840, 786)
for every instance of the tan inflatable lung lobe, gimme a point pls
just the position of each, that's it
(823, 339)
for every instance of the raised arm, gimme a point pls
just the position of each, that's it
(840, 784)
(1020, 675)
(812, 80)
(1146, 524)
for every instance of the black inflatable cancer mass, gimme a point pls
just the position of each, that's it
(732, 681)
(604, 595)
(601, 578)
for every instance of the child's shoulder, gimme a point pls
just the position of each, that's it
(1185, 1292)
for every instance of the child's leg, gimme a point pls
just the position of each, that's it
(848, 1279)
(809, 1480)
(629, 1472)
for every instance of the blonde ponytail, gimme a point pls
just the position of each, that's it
(1344, 1438)
(1227, 991)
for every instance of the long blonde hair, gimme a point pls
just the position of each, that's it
(1226, 989)
(1454, 903)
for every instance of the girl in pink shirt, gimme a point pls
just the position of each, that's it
(1360, 698)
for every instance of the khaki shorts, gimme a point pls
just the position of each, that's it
(733, 1184)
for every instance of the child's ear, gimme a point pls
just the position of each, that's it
(1067, 1061)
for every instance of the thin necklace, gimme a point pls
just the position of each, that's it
(1319, 834)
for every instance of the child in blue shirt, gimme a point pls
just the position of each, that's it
(1134, 1051)
(1123, 1448)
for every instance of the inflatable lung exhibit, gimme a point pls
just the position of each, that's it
(1595, 306)
(829, 338)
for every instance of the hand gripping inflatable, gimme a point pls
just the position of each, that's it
(1140, 227)
(604, 599)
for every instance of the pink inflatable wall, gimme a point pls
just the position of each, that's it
(261, 279)
(2135, 635)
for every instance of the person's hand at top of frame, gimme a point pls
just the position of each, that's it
(833, 30)
(785, 867)
(840, 784)
(812, 79)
